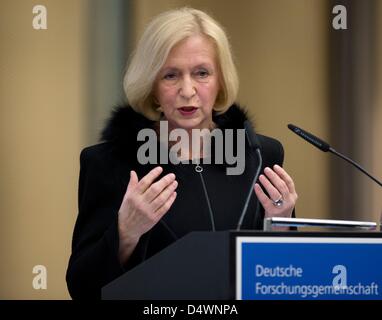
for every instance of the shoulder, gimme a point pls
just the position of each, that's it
(269, 144)
(95, 152)
(98, 158)
(271, 149)
(106, 159)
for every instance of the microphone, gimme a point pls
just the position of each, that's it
(324, 146)
(317, 142)
(253, 142)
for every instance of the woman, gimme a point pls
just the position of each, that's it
(182, 73)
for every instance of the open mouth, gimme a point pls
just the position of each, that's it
(187, 110)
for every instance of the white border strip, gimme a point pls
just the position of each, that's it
(240, 240)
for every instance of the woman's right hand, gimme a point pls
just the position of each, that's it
(144, 204)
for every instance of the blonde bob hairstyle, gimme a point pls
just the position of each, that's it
(159, 37)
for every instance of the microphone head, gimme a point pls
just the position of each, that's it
(251, 135)
(317, 142)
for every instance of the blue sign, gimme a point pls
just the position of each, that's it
(308, 268)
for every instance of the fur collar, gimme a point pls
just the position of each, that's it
(124, 123)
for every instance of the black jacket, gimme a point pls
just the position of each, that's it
(104, 176)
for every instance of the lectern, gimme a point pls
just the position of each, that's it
(194, 267)
(258, 265)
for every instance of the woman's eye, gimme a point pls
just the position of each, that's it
(202, 73)
(170, 76)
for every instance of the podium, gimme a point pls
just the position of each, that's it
(196, 267)
(230, 265)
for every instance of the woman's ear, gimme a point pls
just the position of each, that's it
(156, 100)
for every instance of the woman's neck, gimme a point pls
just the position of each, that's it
(183, 144)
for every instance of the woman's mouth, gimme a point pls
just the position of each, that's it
(187, 111)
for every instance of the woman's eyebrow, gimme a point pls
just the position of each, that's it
(200, 65)
(168, 69)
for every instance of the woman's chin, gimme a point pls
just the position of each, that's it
(188, 124)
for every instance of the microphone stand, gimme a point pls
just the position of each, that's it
(252, 186)
(354, 164)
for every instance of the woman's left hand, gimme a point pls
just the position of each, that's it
(282, 194)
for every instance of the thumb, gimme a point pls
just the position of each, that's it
(133, 180)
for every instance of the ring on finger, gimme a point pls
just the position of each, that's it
(279, 202)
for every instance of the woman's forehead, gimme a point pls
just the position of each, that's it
(195, 50)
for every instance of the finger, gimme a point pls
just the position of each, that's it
(286, 177)
(148, 179)
(277, 182)
(163, 196)
(133, 180)
(166, 206)
(156, 188)
(263, 198)
(274, 194)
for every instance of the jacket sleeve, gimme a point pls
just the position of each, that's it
(94, 260)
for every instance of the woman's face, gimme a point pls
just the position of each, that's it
(188, 83)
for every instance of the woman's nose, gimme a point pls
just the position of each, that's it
(187, 88)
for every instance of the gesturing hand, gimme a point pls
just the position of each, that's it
(144, 203)
(282, 194)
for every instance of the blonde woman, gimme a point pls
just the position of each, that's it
(182, 73)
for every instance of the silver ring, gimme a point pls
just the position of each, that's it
(279, 202)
